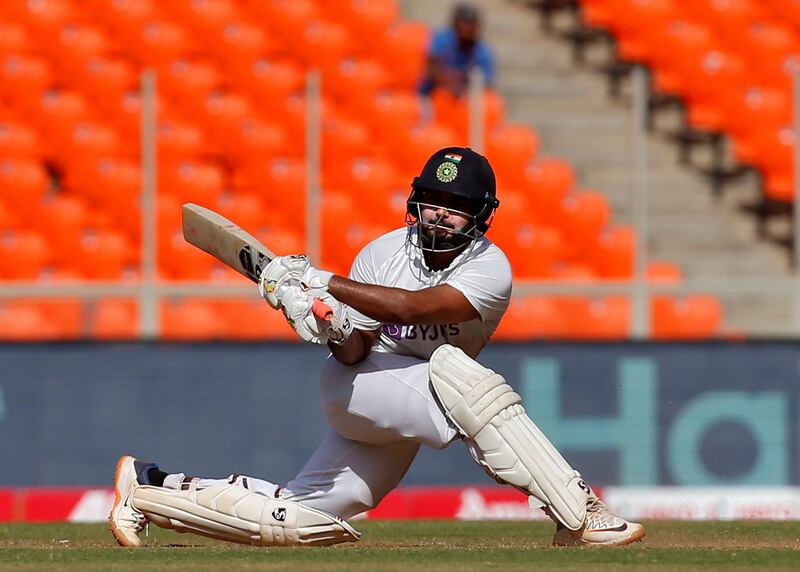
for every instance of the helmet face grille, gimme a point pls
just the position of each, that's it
(436, 234)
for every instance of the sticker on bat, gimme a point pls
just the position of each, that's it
(252, 261)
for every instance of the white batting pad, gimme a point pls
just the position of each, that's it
(232, 513)
(503, 438)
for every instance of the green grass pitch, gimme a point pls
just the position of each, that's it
(401, 545)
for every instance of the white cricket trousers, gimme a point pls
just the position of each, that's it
(380, 411)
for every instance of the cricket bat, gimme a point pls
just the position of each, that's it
(231, 244)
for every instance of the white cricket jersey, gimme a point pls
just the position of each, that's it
(482, 273)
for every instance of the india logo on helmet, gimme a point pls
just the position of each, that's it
(447, 172)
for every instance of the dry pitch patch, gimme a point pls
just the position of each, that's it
(393, 545)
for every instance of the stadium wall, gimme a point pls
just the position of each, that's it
(637, 419)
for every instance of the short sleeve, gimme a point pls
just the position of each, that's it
(363, 270)
(440, 44)
(486, 283)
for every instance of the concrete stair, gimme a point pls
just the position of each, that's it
(575, 119)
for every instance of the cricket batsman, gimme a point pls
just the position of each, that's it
(405, 328)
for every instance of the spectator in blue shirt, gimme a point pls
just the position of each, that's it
(454, 51)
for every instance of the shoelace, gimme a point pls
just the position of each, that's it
(139, 520)
(598, 515)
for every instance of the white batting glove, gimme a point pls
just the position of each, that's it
(298, 308)
(291, 270)
(339, 324)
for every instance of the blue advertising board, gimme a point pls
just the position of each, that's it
(623, 414)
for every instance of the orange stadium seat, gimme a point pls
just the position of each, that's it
(533, 250)
(8, 219)
(92, 179)
(208, 17)
(285, 18)
(24, 255)
(24, 183)
(283, 238)
(344, 140)
(123, 16)
(415, 146)
(606, 318)
(454, 112)
(249, 209)
(292, 114)
(66, 316)
(61, 222)
(56, 112)
(43, 17)
(89, 140)
(410, 39)
(240, 44)
(363, 178)
(252, 319)
(283, 178)
(75, 44)
(103, 255)
(582, 216)
(662, 272)
(160, 42)
(394, 113)
(24, 321)
(114, 319)
(528, 318)
(729, 18)
(614, 253)
(188, 80)
(223, 112)
(106, 77)
(786, 11)
(600, 13)
(702, 92)
(366, 21)
(178, 140)
(190, 319)
(696, 316)
(23, 77)
(255, 139)
(681, 42)
(636, 23)
(19, 140)
(268, 82)
(124, 113)
(546, 183)
(370, 77)
(510, 148)
(322, 44)
(15, 39)
(192, 181)
(179, 260)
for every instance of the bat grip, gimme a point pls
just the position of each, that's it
(321, 310)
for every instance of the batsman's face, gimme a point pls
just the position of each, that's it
(442, 216)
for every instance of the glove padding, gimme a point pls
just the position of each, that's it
(293, 270)
(296, 305)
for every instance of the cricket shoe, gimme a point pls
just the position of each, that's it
(602, 528)
(125, 521)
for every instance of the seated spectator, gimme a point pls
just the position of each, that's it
(454, 51)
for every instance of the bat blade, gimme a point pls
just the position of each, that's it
(225, 240)
(231, 244)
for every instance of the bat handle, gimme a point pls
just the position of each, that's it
(321, 310)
